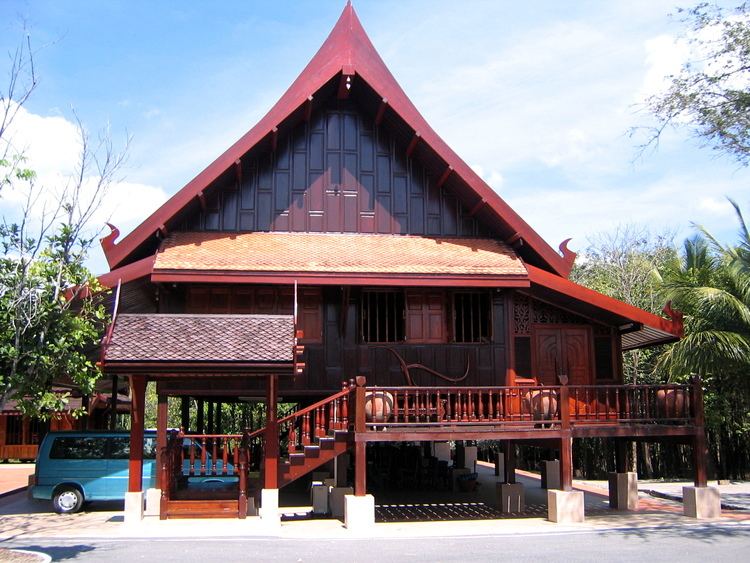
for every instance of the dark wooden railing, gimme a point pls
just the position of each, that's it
(542, 406)
(317, 420)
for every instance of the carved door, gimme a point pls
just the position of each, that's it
(562, 350)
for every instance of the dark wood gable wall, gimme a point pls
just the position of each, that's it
(335, 173)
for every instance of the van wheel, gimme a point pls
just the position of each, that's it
(67, 500)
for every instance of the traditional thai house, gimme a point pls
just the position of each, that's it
(340, 255)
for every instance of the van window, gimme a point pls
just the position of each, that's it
(77, 448)
(119, 448)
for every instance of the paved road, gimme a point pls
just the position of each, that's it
(713, 542)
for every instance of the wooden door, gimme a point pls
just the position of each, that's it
(562, 350)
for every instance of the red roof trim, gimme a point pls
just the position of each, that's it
(133, 271)
(324, 278)
(581, 293)
(346, 49)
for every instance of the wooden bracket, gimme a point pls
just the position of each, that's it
(163, 231)
(515, 242)
(274, 139)
(444, 177)
(381, 111)
(477, 207)
(238, 171)
(308, 108)
(413, 144)
(202, 200)
(345, 83)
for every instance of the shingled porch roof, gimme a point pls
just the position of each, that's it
(237, 343)
(324, 258)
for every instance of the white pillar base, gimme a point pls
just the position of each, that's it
(442, 451)
(269, 506)
(359, 512)
(134, 507)
(551, 477)
(336, 500)
(701, 502)
(153, 502)
(511, 497)
(623, 491)
(565, 507)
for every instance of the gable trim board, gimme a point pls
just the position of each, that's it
(347, 52)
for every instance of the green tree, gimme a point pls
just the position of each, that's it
(50, 319)
(710, 283)
(711, 93)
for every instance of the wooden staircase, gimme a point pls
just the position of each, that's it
(213, 508)
(313, 456)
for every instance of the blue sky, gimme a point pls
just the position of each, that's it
(537, 96)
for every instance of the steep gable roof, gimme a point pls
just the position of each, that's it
(349, 53)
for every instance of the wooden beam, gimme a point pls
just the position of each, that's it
(381, 111)
(308, 107)
(413, 144)
(274, 139)
(161, 434)
(238, 171)
(137, 413)
(202, 200)
(477, 206)
(444, 177)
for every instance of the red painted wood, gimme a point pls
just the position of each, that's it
(137, 408)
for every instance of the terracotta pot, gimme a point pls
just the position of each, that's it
(378, 406)
(670, 403)
(541, 404)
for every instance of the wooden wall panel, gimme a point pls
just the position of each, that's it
(335, 173)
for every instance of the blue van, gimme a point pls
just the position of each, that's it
(76, 467)
(73, 467)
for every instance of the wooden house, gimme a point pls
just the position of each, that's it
(342, 256)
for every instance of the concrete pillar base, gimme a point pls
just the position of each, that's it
(470, 458)
(359, 512)
(153, 502)
(511, 497)
(565, 507)
(551, 474)
(701, 502)
(442, 451)
(269, 506)
(336, 500)
(319, 498)
(134, 507)
(623, 491)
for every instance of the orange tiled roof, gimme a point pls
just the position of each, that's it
(336, 253)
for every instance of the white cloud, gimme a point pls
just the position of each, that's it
(665, 56)
(52, 146)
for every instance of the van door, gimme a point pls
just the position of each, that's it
(80, 460)
(118, 464)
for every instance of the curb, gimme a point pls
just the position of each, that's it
(677, 498)
(13, 491)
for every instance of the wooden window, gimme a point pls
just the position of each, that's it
(425, 314)
(382, 315)
(14, 430)
(472, 314)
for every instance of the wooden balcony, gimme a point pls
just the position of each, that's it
(527, 412)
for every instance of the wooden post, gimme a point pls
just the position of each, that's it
(621, 455)
(200, 428)
(210, 417)
(113, 404)
(271, 437)
(360, 448)
(217, 423)
(700, 449)
(185, 413)
(85, 417)
(566, 441)
(161, 435)
(137, 407)
(510, 462)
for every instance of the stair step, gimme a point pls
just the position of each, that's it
(202, 508)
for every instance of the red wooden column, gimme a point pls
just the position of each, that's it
(271, 441)
(137, 407)
(360, 448)
(509, 450)
(700, 449)
(566, 441)
(161, 434)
